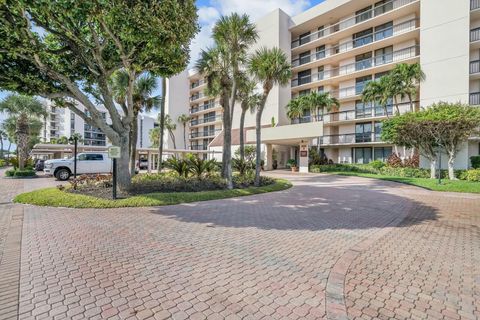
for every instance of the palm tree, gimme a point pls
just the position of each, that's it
(221, 66)
(270, 67)
(317, 101)
(21, 109)
(295, 109)
(184, 119)
(409, 77)
(377, 92)
(3, 136)
(143, 101)
(249, 100)
(170, 126)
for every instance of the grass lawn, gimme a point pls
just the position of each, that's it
(56, 198)
(430, 184)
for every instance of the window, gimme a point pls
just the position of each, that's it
(321, 31)
(380, 110)
(363, 155)
(362, 109)
(304, 38)
(378, 131)
(382, 153)
(383, 6)
(320, 89)
(384, 31)
(363, 132)
(362, 38)
(93, 157)
(360, 83)
(363, 61)
(304, 77)
(304, 57)
(321, 72)
(384, 55)
(320, 52)
(304, 92)
(364, 14)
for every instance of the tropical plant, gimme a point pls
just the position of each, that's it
(23, 112)
(68, 50)
(407, 78)
(180, 166)
(317, 102)
(184, 120)
(3, 136)
(200, 167)
(295, 109)
(170, 126)
(249, 100)
(242, 166)
(269, 67)
(377, 92)
(221, 66)
(143, 101)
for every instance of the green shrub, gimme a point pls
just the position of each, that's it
(172, 182)
(28, 163)
(471, 175)
(377, 164)
(475, 160)
(200, 167)
(343, 168)
(3, 163)
(405, 172)
(20, 173)
(242, 166)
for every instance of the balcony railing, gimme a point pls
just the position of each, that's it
(209, 133)
(198, 147)
(474, 66)
(198, 83)
(350, 138)
(474, 4)
(475, 98)
(358, 42)
(359, 18)
(307, 119)
(203, 107)
(205, 120)
(475, 34)
(396, 56)
(197, 96)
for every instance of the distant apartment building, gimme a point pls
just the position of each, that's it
(61, 122)
(338, 47)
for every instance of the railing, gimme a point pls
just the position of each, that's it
(474, 66)
(198, 147)
(350, 138)
(198, 83)
(474, 4)
(208, 133)
(205, 120)
(475, 34)
(203, 107)
(307, 119)
(359, 42)
(359, 18)
(197, 96)
(475, 98)
(376, 61)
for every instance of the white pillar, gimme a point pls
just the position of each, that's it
(303, 157)
(268, 157)
(149, 159)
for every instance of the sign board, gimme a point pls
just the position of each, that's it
(114, 152)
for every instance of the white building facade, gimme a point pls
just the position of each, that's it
(338, 46)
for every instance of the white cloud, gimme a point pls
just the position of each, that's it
(208, 15)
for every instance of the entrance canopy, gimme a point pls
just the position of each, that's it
(292, 134)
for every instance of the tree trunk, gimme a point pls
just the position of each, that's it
(396, 105)
(133, 143)
(258, 140)
(1, 147)
(227, 149)
(185, 135)
(162, 125)
(123, 163)
(172, 136)
(242, 138)
(433, 168)
(22, 140)
(451, 162)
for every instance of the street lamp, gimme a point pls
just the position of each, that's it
(74, 140)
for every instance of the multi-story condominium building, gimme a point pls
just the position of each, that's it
(63, 122)
(339, 46)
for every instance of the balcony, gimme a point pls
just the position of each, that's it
(202, 134)
(474, 34)
(475, 67)
(349, 22)
(198, 147)
(203, 107)
(374, 37)
(350, 138)
(198, 83)
(396, 56)
(474, 98)
(307, 119)
(197, 122)
(197, 96)
(474, 4)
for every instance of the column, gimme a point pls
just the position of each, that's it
(268, 156)
(149, 159)
(303, 158)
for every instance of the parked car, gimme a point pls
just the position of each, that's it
(62, 169)
(143, 165)
(39, 164)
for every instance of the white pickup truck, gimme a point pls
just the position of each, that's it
(62, 169)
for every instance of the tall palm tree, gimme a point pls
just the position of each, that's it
(184, 119)
(3, 136)
(270, 67)
(295, 109)
(161, 119)
(170, 126)
(221, 65)
(409, 77)
(316, 101)
(249, 100)
(21, 110)
(377, 92)
(143, 101)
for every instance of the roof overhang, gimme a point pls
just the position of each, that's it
(292, 134)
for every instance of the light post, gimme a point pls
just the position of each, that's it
(74, 140)
(439, 156)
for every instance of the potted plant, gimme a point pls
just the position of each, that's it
(293, 165)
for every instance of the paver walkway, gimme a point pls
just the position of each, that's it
(331, 247)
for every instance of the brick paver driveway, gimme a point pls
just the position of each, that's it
(330, 247)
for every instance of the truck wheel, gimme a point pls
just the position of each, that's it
(62, 174)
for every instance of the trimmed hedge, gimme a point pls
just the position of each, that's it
(471, 175)
(20, 173)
